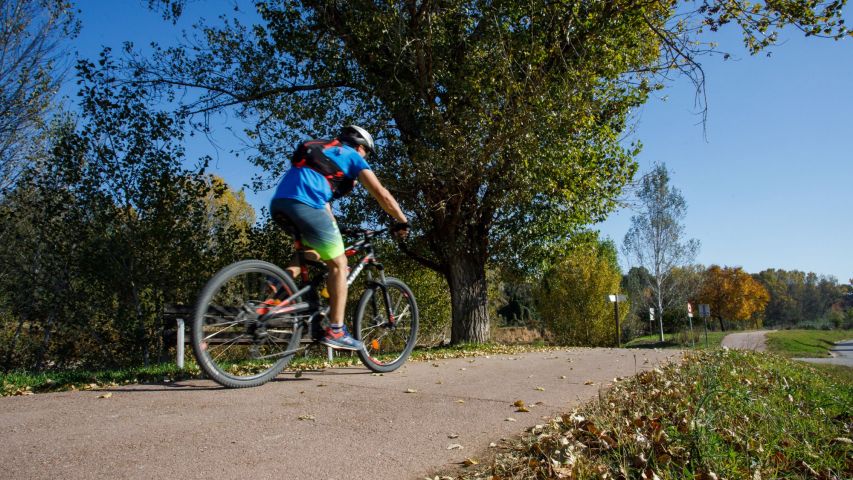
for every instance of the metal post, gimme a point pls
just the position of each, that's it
(330, 353)
(618, 333)
(692, 341)
(180, 345)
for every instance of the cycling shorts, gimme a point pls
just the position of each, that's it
(316, 227)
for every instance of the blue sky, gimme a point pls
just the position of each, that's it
(768, 182)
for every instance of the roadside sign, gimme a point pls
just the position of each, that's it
(704, 310)
(689, 310)
(617, 298)
(651, 314)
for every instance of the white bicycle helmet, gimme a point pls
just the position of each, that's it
(355, 135)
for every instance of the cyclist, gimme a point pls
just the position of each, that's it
(323, 170)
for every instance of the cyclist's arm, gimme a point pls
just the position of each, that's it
(367, 178)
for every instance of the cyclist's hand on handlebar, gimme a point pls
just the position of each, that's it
(400, 230)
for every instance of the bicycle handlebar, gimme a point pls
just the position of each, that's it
(362, 232)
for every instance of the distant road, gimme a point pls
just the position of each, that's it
(756, 341)
(842, 354)
(341, 423)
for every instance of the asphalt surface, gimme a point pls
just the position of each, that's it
(756, 340)
(336, 424)
(842, 354)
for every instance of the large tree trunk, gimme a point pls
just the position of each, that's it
(468, 297)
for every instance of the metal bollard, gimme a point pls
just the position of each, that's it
(330, 353)
(180, 343)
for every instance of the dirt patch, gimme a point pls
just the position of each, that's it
(516, 335)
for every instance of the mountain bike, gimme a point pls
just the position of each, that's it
(251, 316)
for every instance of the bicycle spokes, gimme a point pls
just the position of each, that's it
(387, 324)
(241, 334)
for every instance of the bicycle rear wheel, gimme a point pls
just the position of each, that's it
(389, 329)
(237, 338)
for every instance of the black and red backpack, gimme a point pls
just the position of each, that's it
(311, 154)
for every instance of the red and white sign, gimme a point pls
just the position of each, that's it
(690, 310)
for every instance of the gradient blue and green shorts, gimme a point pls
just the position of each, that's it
(316, 226)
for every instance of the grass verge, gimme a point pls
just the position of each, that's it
(805, 343)
(25, 383)
(718, 414)
(679, 340)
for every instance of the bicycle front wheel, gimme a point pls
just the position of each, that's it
(388, 325)
(238, 338)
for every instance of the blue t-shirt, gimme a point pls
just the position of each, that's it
(309, 187)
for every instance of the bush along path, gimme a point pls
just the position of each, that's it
(721, 414)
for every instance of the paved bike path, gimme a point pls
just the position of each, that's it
(755, 340)
(354, 425)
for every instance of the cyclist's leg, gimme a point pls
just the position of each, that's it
(294, 268)
(337, 335)
(288, 218)
(336, 282)
(319, 231)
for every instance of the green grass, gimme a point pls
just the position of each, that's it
(805, 343)
(678, 340)
(717, 414)
(25, 383)
(839, 372)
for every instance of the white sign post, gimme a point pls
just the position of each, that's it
(651, 320)
(615, 299)
(690, 319)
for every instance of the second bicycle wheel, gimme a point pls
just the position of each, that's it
(389, 329)
(238, 338)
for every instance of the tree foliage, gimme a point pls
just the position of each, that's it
(106, 226)
(572, 296)
(31, 32)
(798, 297)
(499, 121)
(733, 295)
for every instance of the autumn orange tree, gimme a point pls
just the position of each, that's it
(733, 295)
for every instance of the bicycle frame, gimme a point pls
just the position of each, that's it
(311, 286)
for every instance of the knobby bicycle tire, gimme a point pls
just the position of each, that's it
(387, 344)
(229, 344)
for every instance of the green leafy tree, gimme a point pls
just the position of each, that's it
(635, 284)
(39, 269)
(499, 121)
(797, 296)
(572, 297)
